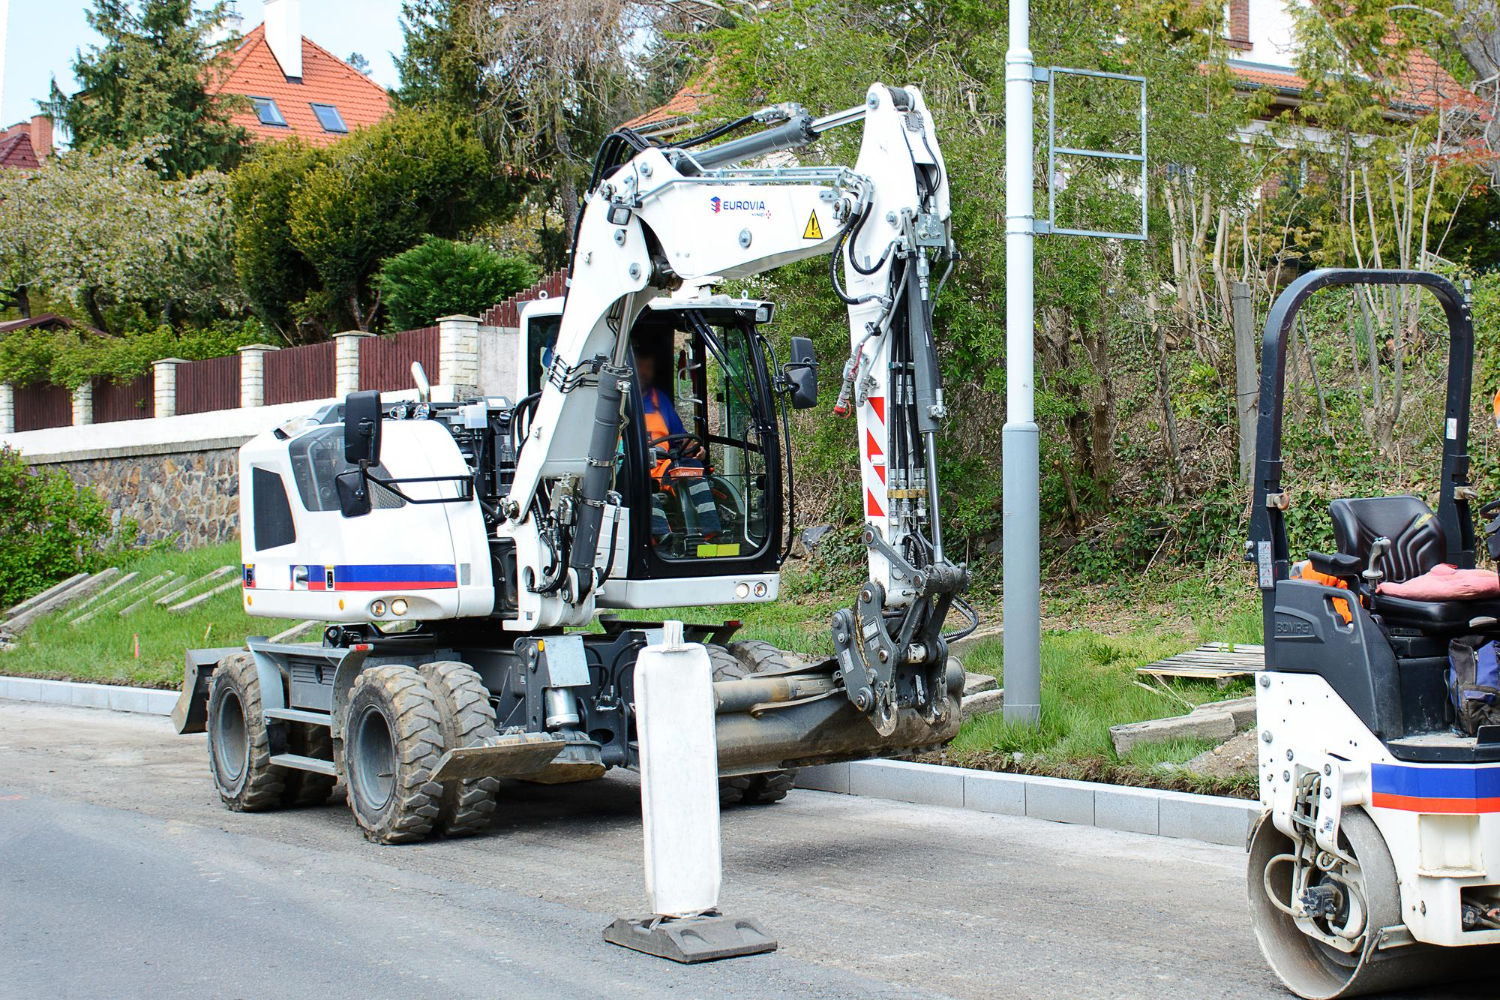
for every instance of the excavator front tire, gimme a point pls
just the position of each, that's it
(393, 739)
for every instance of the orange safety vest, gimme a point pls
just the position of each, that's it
(656, 428)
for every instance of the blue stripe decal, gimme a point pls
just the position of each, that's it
(397, 573)
(1431, 782)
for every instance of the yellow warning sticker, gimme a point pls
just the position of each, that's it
(813, 230)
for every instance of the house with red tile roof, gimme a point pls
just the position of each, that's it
(295, 86)
(1261, 35)
(26, 144)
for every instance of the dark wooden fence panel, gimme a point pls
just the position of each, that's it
(299, 373)
(209, 385)
(133, 400)
(39, 406)
(385, 362)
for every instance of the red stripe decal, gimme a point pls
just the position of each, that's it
(872, 508)
(877, 403)
(872, 447)
(1452, 807)
(880, 471)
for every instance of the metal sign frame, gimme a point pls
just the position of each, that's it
(1047, 226)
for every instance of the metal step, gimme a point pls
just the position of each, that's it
(300, 715)
(301, 763)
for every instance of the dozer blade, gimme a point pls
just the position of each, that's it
(508, 757)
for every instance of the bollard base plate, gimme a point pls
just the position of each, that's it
(704, 938)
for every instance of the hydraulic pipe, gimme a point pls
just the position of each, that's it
(1020, 437)
(791, 134)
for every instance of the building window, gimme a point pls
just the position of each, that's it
(329, 118)
(267, 111)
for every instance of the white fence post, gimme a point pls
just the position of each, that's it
(165, 390)
(253, 374)
(346, 367)
(7, 408)
(83, 405)
(458, 351)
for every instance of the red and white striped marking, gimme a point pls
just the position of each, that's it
(872, 456)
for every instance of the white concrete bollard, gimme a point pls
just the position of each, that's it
(674, 706)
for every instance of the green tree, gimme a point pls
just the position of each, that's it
(150, 80)
(103, 230)
(276, 277)
(442, 277)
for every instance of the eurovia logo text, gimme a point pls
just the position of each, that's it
(753, 206)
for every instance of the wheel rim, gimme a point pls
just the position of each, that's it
(374, 770)
(231, 744)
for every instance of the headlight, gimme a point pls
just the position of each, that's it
(398, 606)
(742, 591)
(760, 589)
(377, 608)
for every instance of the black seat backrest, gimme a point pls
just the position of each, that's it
(1417, 543)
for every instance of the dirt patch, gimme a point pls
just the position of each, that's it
(1236, 758)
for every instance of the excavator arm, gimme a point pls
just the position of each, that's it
(660, 216)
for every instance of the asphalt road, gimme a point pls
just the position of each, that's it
(121, 875)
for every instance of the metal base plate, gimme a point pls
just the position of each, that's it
(507, 756)
(705, 938)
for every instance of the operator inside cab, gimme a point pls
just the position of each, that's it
(681, 492)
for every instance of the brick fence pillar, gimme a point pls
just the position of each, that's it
(165, 373)
(346, 365)
(253, 374)
(83, 405)
(458, 351)
(7, 408)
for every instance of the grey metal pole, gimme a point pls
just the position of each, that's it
(1020, 438)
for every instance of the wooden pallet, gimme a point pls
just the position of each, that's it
(1214, 661)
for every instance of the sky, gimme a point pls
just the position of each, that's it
(40, 37)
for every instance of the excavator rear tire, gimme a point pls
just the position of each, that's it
(736, 662)
(239, 745)
(468, 720)
(393, 739)
(308, 788)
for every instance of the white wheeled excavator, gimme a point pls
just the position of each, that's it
(462, 551)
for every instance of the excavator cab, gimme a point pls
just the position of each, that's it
(702, 457)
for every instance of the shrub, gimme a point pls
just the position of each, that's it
(52, 528)
(442, 277)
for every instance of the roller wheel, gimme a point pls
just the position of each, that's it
(468, 804)
(239, 746)
(1313, 969)
(393, 738)
(738, 661)
(308, 788)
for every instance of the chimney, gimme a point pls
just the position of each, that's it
(41, 136)
(231, 25)
(284, 35)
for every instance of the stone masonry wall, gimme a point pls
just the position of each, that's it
(191, 498)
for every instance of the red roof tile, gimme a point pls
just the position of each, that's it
(684, 104)
(326, 79)
(16, 152)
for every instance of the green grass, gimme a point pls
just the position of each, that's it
(1088, 685)
(103, 649)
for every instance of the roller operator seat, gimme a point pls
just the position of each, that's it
(1417, 546)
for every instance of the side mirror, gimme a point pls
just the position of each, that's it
(801, 373)
(354, 492)
(419, 377)
(362, 428)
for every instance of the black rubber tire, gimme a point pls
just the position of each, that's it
(468, 804)
(308, 788)
(239, 745)
(393, 722)
(736, 662)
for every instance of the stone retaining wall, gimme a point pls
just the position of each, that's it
(188, 497)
